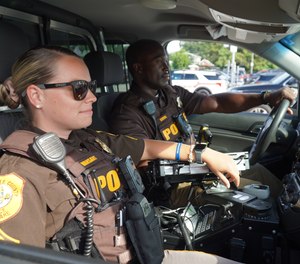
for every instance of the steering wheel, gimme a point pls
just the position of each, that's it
(267, 134)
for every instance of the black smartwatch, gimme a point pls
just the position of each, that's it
(199, 149)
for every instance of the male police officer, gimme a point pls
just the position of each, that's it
(151, 108)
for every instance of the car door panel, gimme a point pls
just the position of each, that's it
(231, 132)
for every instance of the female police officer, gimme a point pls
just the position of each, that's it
(36, 202)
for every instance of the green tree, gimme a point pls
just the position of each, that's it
(214, 52)
(179, 60)
(220, 55)
(243, 58)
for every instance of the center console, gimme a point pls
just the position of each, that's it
(232, 223)
(244, 225)
(289, 207)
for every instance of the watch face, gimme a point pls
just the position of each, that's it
(200, 147)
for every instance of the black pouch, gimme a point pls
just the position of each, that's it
(143, 227)
(71, 238)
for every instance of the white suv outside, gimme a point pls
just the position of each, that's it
(205, 82)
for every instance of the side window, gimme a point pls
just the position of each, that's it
(120, 49)
(211, 77)
(191, 77)
(77, 39)
(77, 43)
(31, 29)
(238, 65)
(177, 76)
(225, 68)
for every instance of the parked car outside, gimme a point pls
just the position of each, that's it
(204, 82)
(277, 80)
(265, 76)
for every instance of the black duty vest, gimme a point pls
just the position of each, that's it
(167, 118)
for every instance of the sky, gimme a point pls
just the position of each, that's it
(173, 46)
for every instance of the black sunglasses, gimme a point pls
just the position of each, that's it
(80, 87)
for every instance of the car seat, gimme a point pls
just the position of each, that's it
(12, 46)
(107, 69)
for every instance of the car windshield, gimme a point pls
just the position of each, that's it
(292, 42)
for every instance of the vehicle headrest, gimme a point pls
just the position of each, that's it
(12, 46)
(105, 67)
(11, 121)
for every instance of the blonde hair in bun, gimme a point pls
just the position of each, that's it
(8, 96)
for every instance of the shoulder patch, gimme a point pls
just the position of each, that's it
(11, 195)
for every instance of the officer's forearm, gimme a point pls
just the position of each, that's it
(157, 149)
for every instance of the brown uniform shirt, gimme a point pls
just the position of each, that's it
(129, 118)
(34, 203)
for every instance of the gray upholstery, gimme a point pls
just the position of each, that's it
(102, 109)
(11, 121)
(12, 46)
(107, 69)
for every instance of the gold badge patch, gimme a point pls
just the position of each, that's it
(11, 195)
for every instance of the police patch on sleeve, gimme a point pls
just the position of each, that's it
(11, 195)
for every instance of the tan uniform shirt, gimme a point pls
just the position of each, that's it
(34, 202)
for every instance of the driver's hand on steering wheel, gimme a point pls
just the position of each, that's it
(275, 98)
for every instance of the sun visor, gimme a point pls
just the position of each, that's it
(291, 7)
(248, 31)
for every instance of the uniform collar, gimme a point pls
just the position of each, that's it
(161, 97)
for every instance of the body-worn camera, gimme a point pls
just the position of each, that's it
(183, 126)
(132, 177)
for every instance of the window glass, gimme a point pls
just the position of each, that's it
(31, 29)
(211, 77)
(226, 68)
(78, 44)
(190, 76)
(120, 49)
(177, 76)
(292, 42)
(265, 78)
